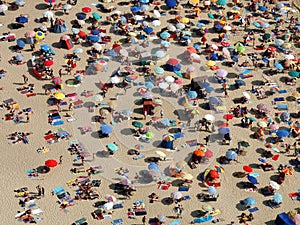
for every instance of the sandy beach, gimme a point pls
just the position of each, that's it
(181, 111)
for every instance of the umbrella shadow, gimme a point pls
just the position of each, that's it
(43, 169)
(177, 183)
(270, 222)
(183, 60)
(127, 131)
(238, 175)
(257, 83)
(274, 177)
(15, 26)
(240, 207)
(55, 45)
(89, 104)
(138, 110)
(41, 6)
(138, 101)
(181, 114)
(240, 184)
(259, 150)
(254, 165)
(156, 90)
(231, 75)
(167, 201)
(95, 134)
(102, 154)
(156, 143)
(58, 13)
(145, 177)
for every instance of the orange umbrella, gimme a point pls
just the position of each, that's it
(287, 171)
(199, 153)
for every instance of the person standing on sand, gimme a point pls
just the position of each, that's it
(25, 78)
(60, 159)
(39, 189)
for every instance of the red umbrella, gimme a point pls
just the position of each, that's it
(272, 49)
(57, 80)
(248, 169)
(48, 63)
(209, 153)
(214, 174)
(172, 62)
(86, 9)
(82, 34)
(50, 1)
(228, 116)
(51, 163)
(275, 157)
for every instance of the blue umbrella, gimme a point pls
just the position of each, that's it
(277, 198)
(285, 116)
(186, 37)
(95, 32)
(192, 94)
(20, 43)
(153, 166)
(249, 201)
(144, 1)
(22, 19)
(222, 2)
(262, 8)
(112, 53)
(199, 25)
(278, 66)
(218, 27)
(224, 130)
(135, 9)
(105, 129)
(282, 133)
(205, 85)
(123, 19)
(45, 47)
(149, 84)
(213, 100)
(171, 3)
(81, 16)
(246, 72)
(165, 122)
(148, 30)
(252, 179)
(197, 47)
(231, 155)
(212, 190)
(93, 38)
(165, 35)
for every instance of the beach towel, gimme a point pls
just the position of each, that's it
(203, 219)
(192, 143)
(294, 195)
(117, 221)
(183, 188)
(163, 187)
(280, 99)
(252, 210)
(58, 190)
(282, 107)
(30, 95)
(282, 91)
(187, 197)
(177, 222)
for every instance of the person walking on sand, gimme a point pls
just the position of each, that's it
(144, 220)
(39, 189)
(60, 159)
(43, 191)
(25, 78)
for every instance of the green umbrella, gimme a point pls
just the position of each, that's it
(96, 16)
(149, 134)
(293, 73)
(266, 36)
(211, 16)
(244, 144)
(240, 48)
(251, 118)
(137, 124)
(159, 70)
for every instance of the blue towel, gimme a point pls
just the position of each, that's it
(177, 222)
(253, 210)
(282, 91)
(186, 197)
(282, 106)
(182, 188)
(280, 99)
(203, 219)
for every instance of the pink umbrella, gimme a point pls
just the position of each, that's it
(214, 47)
(222, 73)
(30, 34)
(226, 52)
(274, 126)
(190, 69)
(209, 153)
(296, 219)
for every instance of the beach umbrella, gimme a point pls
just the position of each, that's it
(97, 46)
(240, 48)
(171, 3)
(48, 62)
(48, 14)
(286, 45)
(212, 190)
(213, 174)
(219, 168)
(67, 7)
(261, 106)
(51, 163)
(153, 166)
(209, 153)
(108, 206)
(231, 155)
(77, 51)
(95, 32)
(180, 26)
(137, 124)
(165, 122)
(81, 34)
(187, 176)
(30, 34)
(244, 144)
(161, 154)
(246, 95)
(210, 63)
(222, 73)
(93, 38)
(213, 100)
(184, 20)
(156, 13)
(192, 94)
(164, 35)
(174, 87)
(274, 126)
(156, 23)
(165, 44)
(115, 80)
(279, 42)
(98, 98)
(262, 124)
(163, 85)
(148, 30)
(40, 35)
(86, 9)
(278, 66)
(112, 147)
(289, 57)
(106, 129)
(161, 218)
(20, 43)
(207, 208)
(96, 16)
(169, 79)
(282, 133)
(272, 49)
(159, 70)
(149, 84)
(149, 134)
(22, 19)
(50, 1)
(171, 28)
(59, 96)
(176, 195)
(199, 153)
(81, 16)
(222, 2)
(127, 112)
(249, 201)
(224, 130)
(293, 73)
(228, 116)
(3, 8)
(285, 116)
(277, 198)
(135, 9)
(227, 28)
(209, 117)
(57, 80)
(252, 179)
(248, 169)
(125, 181)
(274, 185)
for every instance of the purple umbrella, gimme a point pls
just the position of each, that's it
(222, 73)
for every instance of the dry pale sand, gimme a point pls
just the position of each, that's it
(16, 159)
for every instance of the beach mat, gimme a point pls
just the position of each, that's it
(252, 210)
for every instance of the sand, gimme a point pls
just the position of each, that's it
(16, 159)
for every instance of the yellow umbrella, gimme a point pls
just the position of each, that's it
(184, 20)
(187, 176)
(195, 1)
(210, 63)
(262, 124)
(286, 45)
(40, 35)
(59, 96)
(132, 34)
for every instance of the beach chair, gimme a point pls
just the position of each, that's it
(81, 221)
(282, 107)
(117, 222)
(58, 190)
(203, 219)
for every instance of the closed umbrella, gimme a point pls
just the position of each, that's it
(274, 185)
(277, 198)
(231, 155)
(212, 190)
(176, 195)
(51, 163)
(106, 129)
(252, 179)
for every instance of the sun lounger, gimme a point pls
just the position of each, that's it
(282, 107)
(203, 219)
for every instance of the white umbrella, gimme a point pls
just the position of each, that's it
(98, 98)
(289, 57)
(115, 80)
(171, 28)
(160, 54)
(118, 12)
(67, 7)
(48, 14)
(163, 85)
(246, 95)
(169, 79)
(138, 17)
(174, 87)
(3, 8)
(123, 52)
(81, 22)
(226, 27)
(156, 23)
(108, 206)
(274, 185)
(176, 195)
(97, 46)
(195, 56)
(156, 13)
(209, 117)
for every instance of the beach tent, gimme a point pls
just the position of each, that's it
(173, 65)
(283, 219)
(60, 26)
(168, 141)
(66, 42)
(171, 3)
